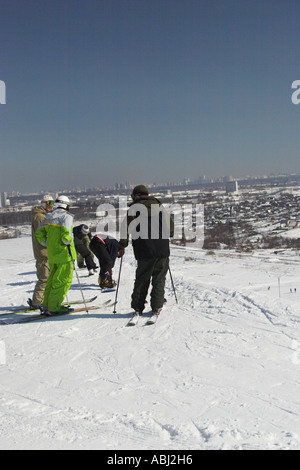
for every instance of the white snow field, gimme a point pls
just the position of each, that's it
(219, 370)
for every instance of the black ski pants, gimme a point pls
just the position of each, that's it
(152, 270)
(83, 250)
(105, 261)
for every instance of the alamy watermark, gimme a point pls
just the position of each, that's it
(2, 92)
(296, 353)
(2, 353)
(296, 94)
(155, 223)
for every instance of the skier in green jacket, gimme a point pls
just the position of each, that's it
(56, 233)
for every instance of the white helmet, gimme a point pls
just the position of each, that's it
(63, 202)
(85, 229)
(47, 199)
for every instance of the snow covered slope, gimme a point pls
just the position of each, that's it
(220, 370)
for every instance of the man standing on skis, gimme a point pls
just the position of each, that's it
(56, 233)
(150, 227)
(40, 252)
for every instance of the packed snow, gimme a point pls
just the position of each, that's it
(219, 370)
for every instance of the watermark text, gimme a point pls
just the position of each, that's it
(2, 92)
(180, 222)
(2, 353)
(296, 94)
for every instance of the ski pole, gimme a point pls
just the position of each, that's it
(118, 285)
(173, 285)
(86, 309)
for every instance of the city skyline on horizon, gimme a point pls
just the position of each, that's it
(202, 180)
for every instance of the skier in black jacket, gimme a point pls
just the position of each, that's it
(80, 233)
(106, 249)
(150, 227)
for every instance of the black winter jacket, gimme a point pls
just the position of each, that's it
(150, 227)
(78, 235)
(111, 244)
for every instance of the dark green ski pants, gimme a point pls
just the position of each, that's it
(152, 270)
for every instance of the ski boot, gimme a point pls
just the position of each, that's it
(106, 282)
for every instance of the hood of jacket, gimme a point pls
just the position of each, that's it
(39, 210)
(147, 201)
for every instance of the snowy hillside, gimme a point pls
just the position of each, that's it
(220, 370)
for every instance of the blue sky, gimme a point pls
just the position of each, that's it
(105, 91)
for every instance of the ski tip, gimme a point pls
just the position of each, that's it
(133, 320)
(63, 311)
(151, 322)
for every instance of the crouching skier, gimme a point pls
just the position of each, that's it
(56, 233)
(106, 249)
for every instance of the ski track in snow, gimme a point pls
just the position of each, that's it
(220, 370)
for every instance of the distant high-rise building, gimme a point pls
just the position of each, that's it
(3, 199)
(202, 179)
(232, 187)
(227, 179)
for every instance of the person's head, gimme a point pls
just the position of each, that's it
(62, 202)
(85, 229)
(139, 191)
(47, 202)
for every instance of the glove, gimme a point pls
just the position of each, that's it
(121, 252)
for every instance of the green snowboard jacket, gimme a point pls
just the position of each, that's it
(56, 233)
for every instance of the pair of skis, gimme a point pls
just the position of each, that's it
(132, 322)
(150, 321)
(20, 310)
(154, 315)
(43, 316)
